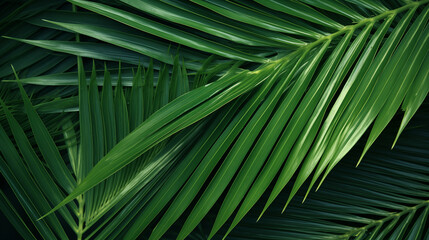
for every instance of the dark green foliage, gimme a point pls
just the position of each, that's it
(194, 112)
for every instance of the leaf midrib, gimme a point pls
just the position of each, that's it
(392, 215)
(359, 24)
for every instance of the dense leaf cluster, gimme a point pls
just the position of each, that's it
(196, 111)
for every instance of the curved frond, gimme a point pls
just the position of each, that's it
(386, 197)
(241, 99)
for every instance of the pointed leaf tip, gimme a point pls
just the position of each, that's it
(360, 159)
(260, 215)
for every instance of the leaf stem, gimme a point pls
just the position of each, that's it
(361, 230)
(359, 24)
(80, 199)
(81, 218)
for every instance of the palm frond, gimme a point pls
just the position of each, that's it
(386, 197)
(96, 138)
(290, 89)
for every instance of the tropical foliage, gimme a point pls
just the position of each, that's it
(195, 112)
(384, 198)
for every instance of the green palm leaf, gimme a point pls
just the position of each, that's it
(289, 90)
(384, 198)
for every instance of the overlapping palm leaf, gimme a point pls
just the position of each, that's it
(302, 92)
(386, 197)
(105, 118)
